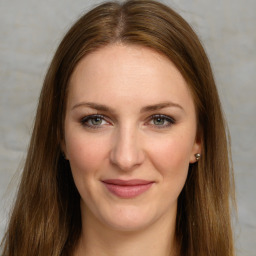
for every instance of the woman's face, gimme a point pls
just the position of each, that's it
(130, 135)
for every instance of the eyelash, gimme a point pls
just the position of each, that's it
(170, 121)
(85, 120)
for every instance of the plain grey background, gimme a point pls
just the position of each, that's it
(30, 32)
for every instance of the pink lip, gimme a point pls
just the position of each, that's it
(127, 188)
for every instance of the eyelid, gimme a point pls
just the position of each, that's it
(170, 119)
(88, 117)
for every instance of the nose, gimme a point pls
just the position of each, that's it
(127, 152)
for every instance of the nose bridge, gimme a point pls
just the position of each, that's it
(127, 151)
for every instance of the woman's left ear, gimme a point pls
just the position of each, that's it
(63, 150)
(196, 151)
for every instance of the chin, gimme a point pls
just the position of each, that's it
(128, 218)
(128, 224)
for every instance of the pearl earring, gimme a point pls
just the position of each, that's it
(197, 156)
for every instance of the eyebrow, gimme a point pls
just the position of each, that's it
(148, 108)
(160, 106)
(94, 106)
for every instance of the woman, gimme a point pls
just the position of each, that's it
(129, 153)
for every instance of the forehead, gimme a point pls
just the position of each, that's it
(127, 73)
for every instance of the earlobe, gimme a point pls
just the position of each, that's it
(196, 152)
(63, 150)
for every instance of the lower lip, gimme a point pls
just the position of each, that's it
(129, 191)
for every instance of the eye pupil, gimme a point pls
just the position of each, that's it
(159, 121)
(96, 120)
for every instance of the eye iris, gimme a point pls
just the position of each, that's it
(96, 120)
(159, 121)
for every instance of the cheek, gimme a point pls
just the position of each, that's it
(85, 154)
(172, 152)
(171, 156)
(171, 160)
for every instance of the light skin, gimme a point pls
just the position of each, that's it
(144, 128)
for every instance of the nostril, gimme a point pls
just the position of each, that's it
(126, 150)
(126, 159)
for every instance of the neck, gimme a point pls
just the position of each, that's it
(156, 239)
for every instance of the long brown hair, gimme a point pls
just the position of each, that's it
(46, 216)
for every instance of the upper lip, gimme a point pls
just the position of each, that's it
(132, 182)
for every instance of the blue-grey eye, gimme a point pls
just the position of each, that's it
(97, 120)
(93, 121)
(159, 121)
